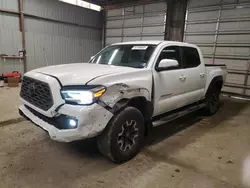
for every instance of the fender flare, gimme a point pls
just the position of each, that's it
(215, 80)
(146, 108)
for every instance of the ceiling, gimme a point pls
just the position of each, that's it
(116, 3)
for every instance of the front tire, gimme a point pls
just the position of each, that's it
(124, 136)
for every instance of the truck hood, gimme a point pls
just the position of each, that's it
(81, 73)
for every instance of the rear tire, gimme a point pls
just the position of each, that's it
(124, 136)
(212, 101)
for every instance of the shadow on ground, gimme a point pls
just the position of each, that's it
(195, 126)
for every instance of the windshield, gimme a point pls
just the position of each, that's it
(136, 56)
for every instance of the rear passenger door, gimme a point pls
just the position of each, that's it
(194, 72)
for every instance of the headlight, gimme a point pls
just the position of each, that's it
(82, 95)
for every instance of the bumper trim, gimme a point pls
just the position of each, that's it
(59, 122)
(54, 133)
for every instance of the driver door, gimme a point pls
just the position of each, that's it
(169, 83)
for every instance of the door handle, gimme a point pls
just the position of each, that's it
(202, 75)
(182, 78)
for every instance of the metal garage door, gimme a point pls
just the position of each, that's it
(221, 28)
(142, 22)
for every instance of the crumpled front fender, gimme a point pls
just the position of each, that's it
(121, 91)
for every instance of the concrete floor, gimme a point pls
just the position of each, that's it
(195, 151)
(9, 100)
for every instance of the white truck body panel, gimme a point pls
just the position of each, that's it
(81, 73)
(173, 92)
(212, 72)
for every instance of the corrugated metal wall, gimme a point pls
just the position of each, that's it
(141, 22)
(10, 36)
(58, 32)
(221, 28)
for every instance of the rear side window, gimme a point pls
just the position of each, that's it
(191, 57)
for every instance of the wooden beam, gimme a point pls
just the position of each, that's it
(21, 12)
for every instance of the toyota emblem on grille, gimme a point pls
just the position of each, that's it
(31, 89)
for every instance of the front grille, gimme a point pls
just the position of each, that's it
(37, 93)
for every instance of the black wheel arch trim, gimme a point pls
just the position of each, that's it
(215, 80)
(147, 109)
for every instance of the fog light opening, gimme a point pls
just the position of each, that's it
(72, 123)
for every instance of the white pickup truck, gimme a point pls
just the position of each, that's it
(120, 93)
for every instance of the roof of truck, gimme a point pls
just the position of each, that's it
(155, 42)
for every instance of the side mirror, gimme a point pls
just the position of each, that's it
(167, 64)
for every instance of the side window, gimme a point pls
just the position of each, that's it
(191, 57)
(170, 52)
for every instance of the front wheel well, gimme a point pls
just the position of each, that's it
(142, 104)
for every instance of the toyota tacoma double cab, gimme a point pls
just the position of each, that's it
(120, 93)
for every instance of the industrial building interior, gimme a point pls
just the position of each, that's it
(193, 151)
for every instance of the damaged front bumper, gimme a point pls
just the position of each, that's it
(91, 121)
